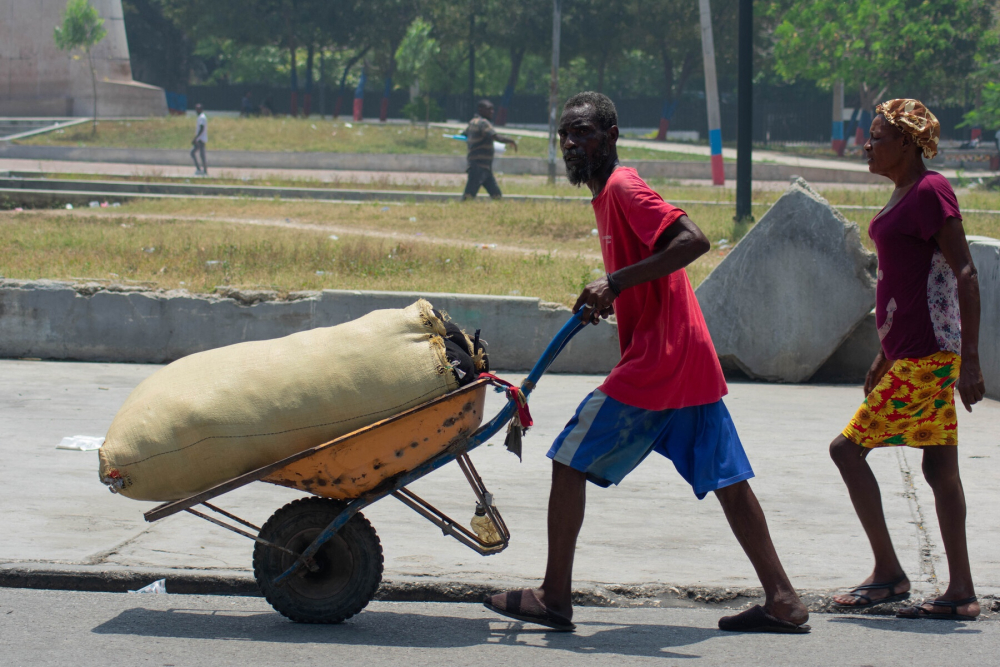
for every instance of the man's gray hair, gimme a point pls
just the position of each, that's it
(604, 108)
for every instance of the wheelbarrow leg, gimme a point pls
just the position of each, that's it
(452, 528)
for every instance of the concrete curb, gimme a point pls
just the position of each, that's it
(60, 320)
(62, 190)
(448, 164)
(593, 595)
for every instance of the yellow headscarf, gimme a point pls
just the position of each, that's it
(913, 118)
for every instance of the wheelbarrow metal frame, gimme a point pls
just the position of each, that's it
(394, 486)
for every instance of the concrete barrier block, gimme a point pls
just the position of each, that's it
(852, 360)
(791, 291)
(59, 320)
(986, 257)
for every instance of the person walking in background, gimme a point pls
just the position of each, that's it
(246, 106)
(480, 135)
(199, 141)
(927, 313)
(664, 396)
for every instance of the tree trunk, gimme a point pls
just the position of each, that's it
(307, 101)
(295, 79)
(343, 79)
(322, 85)
(93, 81)
(472, 60)
(667, 113)
(516, 58)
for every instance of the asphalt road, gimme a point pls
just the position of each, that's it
(81, 629)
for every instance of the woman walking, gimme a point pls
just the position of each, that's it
(927, 313)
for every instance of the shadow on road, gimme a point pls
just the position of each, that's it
(394, 629)
(919, 626)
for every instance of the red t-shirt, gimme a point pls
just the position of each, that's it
(916, 299)
(668, 359)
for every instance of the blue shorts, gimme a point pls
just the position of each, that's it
(607, 439)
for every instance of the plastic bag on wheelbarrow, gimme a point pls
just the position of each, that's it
(215, 415)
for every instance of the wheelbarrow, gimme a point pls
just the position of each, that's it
(317, 559)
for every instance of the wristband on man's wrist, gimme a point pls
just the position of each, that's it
(614, 286)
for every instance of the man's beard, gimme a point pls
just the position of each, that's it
(580, 172)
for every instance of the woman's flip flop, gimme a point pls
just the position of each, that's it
(867, 601)
(953, 615)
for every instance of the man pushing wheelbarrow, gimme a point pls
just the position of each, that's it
(665, 395)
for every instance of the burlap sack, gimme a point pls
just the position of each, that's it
(215, 415)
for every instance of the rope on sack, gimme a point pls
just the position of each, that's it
(521, 421)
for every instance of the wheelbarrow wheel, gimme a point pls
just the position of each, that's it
(348, 567)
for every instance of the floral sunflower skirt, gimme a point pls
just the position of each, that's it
(913, 405)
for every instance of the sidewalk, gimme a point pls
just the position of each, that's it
(759, 155)
(649, 534)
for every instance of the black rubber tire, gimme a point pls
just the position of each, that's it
(350, 564)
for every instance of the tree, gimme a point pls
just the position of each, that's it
(987, 112)
(914, 47)
(159, 51)
(597, 31)
(388, 21)
(671, 31)
(520, 27)
(413, 58)
(82, 28)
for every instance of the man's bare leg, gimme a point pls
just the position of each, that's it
(863, 488)
(941, 472)
(746, 518)
(567, 500)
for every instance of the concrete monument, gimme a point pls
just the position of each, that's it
(39, 80)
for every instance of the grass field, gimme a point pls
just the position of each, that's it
(542, 248)
(294, 135)
(200, 256)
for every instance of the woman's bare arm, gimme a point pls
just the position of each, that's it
(951, 239)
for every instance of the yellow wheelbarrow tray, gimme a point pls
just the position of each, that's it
(317, 559)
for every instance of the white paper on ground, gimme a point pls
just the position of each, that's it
(81, 443)
(158, 586)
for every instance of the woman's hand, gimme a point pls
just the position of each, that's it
(880, 367)
(971, 386)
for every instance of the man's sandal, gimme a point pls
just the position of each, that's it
(919, 611)
(867, 601)
(755, 619)
(525, 606)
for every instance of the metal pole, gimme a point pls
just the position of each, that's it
(744, 126)
(711, 93)
(554, 88)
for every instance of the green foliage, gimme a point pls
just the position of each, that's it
(226, 60)
(987, 114)
(415, 53)
(82, 27)
(913, 47)
(417, 110)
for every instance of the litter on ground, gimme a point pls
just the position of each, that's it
(81, 443)
(158, 586)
